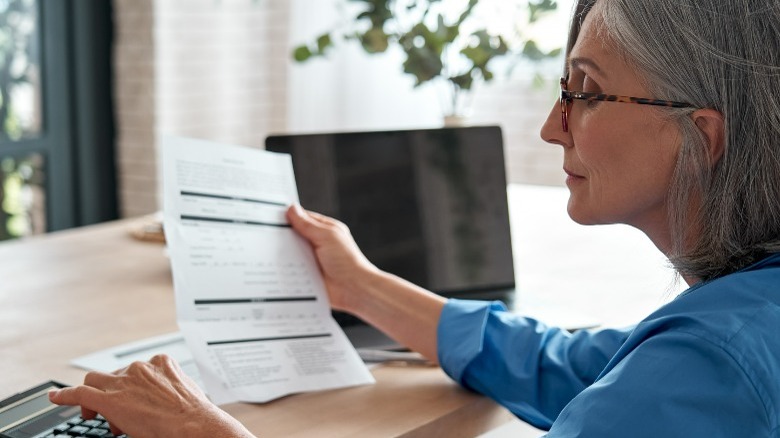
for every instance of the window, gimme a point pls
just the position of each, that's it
(56, 141)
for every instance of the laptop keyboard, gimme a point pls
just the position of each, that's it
(79, 427)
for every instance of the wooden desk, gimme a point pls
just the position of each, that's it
(71, 293)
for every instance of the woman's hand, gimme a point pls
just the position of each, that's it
(405, 312)
(344, 267)
(150, 399)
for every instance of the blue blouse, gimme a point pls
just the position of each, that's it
(706, 364)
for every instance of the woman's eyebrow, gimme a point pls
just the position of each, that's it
(587, 62)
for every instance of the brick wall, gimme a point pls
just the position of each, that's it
(210, 69)
(222, 68)
(134, 93)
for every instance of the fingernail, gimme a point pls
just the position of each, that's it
(53, 393)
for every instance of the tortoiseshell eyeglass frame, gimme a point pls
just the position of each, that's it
(568, 96)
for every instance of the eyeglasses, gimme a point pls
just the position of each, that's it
(568, 96)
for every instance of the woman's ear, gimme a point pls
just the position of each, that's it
(712, 125)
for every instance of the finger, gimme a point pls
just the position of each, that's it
(168, 366)
(328, 222)
(163, 360)
(315, 220)
(115, 430)
(99, 380)
(296, 213)
(120, 371)
(171, 370)
(88, 414)
(321, 218)
(89, 398)
(85, 396)
(302, 221)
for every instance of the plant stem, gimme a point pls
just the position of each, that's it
(455, 92)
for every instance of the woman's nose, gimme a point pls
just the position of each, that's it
(552, 129)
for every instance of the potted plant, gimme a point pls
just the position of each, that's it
(453, 49)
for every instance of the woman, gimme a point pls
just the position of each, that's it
(698, 172)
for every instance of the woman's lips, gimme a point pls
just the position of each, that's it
(572, 177)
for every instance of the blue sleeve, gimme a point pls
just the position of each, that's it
(673, 384)
(529, 368)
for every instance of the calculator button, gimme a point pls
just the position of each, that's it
(91, 423)
(78, 430)
(60, 429)
(97, 433)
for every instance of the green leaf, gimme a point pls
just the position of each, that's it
(375, 40)
(467, 12)
(539, 9)
(532, 52)
(476, 54)
(378, 12)
(464, 81)
(432, 41)
(486, 48)
(445, 34)
(423, 64)
(302, 53)
(323, 42)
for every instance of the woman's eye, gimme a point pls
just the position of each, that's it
(589, 86)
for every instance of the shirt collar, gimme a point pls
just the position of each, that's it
(771, 260)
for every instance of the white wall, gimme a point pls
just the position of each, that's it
(350, 90)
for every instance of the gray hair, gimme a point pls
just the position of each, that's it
(725, 55)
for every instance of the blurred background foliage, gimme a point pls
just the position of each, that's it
(17, 65)
(21, 178)
(20, 195)
(441, 39)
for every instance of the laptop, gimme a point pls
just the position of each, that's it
(428, 205)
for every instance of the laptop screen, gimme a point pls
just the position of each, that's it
(427, 205)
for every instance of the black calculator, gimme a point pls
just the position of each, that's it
(30, 414)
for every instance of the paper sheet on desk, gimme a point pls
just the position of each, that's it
(120, 356)
(250, 300)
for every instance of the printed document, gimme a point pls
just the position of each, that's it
(250, 300)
